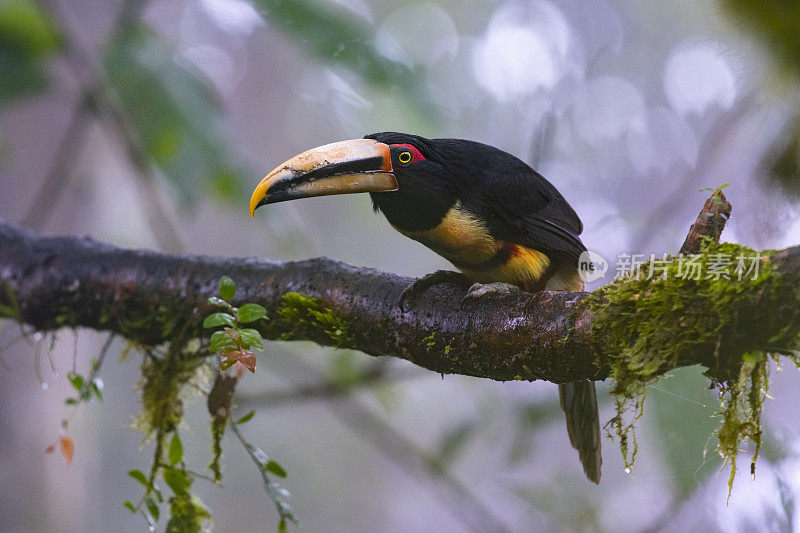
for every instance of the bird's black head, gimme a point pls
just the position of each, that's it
(426, 184)
(409, 177)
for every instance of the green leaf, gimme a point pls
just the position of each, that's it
(178, 480)
(174, 115)
(218, 319)
(251, 337)
(215, 300)
(76, 380)
(246, 418)
(139, 476)
(129, 506)
(71, 401)
(282, 526)
(28, 37)
(152, 506)
(221, 340)
(275, 468)
(227, 288)
(175, 453)
(251, 313)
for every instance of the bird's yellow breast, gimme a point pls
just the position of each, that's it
(464, 239)
(460, 237)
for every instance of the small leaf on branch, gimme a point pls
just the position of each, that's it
(175, 450)
(152, 506)
(177, 480)
(275, 468)
(246, 418)
(245, 357)
(215, 300)
(227, 289)
(218, 319)
(251, 337)
(139, 476)
(76, 380)
(251, 313)
(234, 335)
(248, 360)
(129, 506)
(220, 341)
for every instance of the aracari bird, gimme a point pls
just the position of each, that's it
(484, 210)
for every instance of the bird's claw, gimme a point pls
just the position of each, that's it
(415, 290)
(478, 291)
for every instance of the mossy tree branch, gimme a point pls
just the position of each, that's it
(147, 297)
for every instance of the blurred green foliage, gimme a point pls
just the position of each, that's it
(682, 410)
(28, 37)
(334, 34)
(532, 417)
(177, 119)
(784, 162)
(169, 107)
(452, 443)
(775, 22)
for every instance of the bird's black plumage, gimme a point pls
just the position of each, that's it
(516, 203)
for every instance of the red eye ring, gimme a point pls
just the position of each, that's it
(416, 155)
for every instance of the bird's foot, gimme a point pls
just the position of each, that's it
(416, 289)
(480, 290)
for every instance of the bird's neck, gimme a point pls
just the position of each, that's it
(411, 212)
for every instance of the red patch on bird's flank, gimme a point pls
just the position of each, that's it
(416, 155)
(514, 250)
(507, 251)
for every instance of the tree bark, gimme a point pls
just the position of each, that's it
(145, 296)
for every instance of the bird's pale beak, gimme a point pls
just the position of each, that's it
(357, 165)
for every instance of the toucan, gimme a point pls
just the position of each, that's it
(484, 210)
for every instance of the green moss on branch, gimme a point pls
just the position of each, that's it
(302, 317)
(727, 322)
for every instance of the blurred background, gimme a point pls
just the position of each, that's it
(147, 124)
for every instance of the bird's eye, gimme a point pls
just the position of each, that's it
(404, 157)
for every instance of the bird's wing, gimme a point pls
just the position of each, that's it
(540, 217)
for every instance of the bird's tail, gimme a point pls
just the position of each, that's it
(579, 402)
